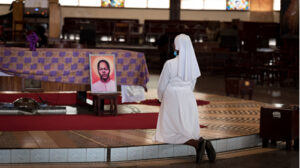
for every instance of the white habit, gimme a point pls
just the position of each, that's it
(178, 116)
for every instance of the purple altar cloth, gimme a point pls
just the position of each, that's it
(71, 65)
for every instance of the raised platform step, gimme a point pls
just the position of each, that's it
(232, 124)
(111, 154)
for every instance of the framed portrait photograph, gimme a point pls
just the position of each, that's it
(103, 73)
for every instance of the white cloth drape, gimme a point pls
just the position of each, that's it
(4, 74)
(178, 116)
(132, 93)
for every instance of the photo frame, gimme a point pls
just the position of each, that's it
(103, 77)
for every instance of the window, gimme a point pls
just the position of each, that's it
(204, 4)
(185, 4)
(135, 3)
(96, 3)
(90, 3)
(69, 2)
(191, 4)
(215, 4)
(276, 5)
(6, 1)
(158, 4)
(36, 4)
(147, 3)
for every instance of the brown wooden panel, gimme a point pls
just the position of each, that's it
(17, 139)
(42, 139)
(129, 137)
(14, 83)
(52, 86)
(8, 83)
(69, 139)
(103, 138)
(54, 19)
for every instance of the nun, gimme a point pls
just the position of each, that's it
(178, 116)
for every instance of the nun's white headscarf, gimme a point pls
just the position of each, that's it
(188, 69)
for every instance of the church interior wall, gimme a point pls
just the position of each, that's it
(4, 9)
(162, 14)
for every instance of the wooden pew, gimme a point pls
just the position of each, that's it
(109, 28)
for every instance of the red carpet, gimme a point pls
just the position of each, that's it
(77, 122)
(69, 98)
(155, 102)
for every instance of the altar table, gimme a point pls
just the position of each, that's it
(68, 65)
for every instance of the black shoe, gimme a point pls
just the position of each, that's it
(200, 150)
(211, 153)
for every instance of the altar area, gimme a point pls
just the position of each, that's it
(230, 123)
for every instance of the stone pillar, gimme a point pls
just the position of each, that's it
(54, 20)
(18, 20)
(289, 17)
(289, 33)
(174, 9)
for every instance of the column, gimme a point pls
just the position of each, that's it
(174, 9)
(18, 20)
(54, 20)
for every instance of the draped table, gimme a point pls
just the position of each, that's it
(71, 65)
